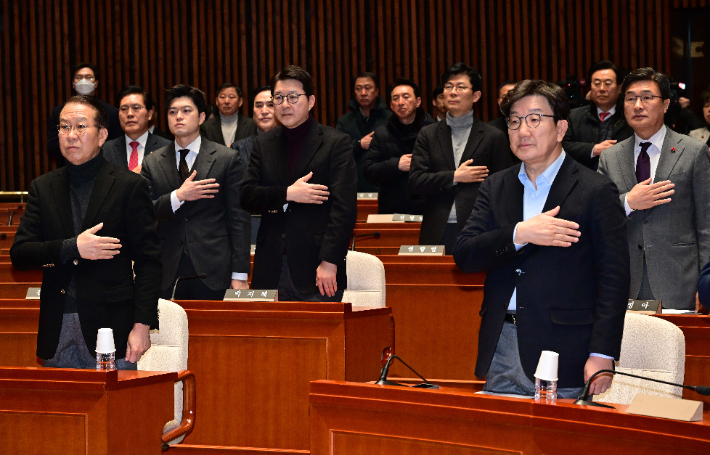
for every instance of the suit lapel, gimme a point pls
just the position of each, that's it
(670, 154)
(565, 180)
(311, 144)
(121, 150)
(443, 134)
(62, 204)
(168, 164)
(514, 199)
(205, 159)
(102, 185)
(626, 164)
(150, 145)
(474, 139)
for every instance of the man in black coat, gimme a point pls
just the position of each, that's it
(85, 224)
(551, 236)
(301, 180)
(229, 125)
(194, 185)
(387, 161)
(595, 128)
(85, 81)
(452, 158)
(135, 111)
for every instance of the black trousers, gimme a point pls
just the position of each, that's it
(289, 293)
(192, 289)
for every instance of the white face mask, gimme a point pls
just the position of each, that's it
(84, 87)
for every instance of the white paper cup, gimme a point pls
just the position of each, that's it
(547, 366)
(104, 341)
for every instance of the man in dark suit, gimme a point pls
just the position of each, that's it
(194, 185)
(85, 81)
(228, 126)
(135, 111)
(84, 225)
(264, 119)
(551, 236)
(389, 157)
(452, 158)
(595, 128)
(301, 180)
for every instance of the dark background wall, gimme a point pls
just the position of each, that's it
(158, 43)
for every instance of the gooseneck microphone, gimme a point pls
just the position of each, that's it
(375, 234)
(181, 278)
(386, 369)
(584, 396)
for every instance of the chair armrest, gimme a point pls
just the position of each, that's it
(188, 407)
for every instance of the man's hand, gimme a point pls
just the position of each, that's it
(544, 229)
(365, 141)
(645, 195)
(307, 193)
(192, 190)
(684, 102)
(325, 278)
(239, 284)
(602, 382)
(137, 169)
(405, 162)
(138, 342)
(470, 174)
(94, 247)
(600, 147)
(699, 308)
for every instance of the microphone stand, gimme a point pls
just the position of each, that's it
(180, 278)
(385, 370)
(375, 234)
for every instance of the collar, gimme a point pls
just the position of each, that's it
(141, 140)
(230, 119)
(611, 111)
(298, 133)
(193, 147)
(657, 139)
(465, 121)
(86, 171)
(548, 176)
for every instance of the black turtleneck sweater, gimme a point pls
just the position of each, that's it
(81, 183)
(295, 140)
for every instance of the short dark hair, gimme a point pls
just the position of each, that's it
(91, 66)
(603, 65)
(461, 68)
(437, 91)
(503, 84)
(555, 96)
(705, 96)
(297, 74)
(135, 90)
(94, 103)
(648, 74)
(229, 85)
(375, 78)
(256, 91)
(182, 90)
(404, 81)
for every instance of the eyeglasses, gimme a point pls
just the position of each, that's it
(531, 120)
(292, 98)
(645, 99)
(457, 88)
(598, 83)
(80, 129)
(79, 77)
(134, 107)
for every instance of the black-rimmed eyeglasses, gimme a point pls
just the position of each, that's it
(531, 120)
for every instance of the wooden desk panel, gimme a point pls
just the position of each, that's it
(390, 237)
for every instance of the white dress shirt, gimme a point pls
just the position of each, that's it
(141, 148)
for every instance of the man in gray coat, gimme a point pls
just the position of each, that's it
(664, 181)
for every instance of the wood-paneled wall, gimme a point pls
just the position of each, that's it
(158, 43)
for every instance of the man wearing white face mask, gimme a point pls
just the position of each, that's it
(85, 81)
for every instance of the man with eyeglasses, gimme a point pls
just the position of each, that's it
(194, 184)
(85, 81)
(452, 158)
(664, 181)
(551, 236)
(228, 126)
(595, 128)
(90, 226)
(135, 111)
(301, 179)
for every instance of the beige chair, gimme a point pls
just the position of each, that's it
(651, 347)
(168, 352)
(366, 280)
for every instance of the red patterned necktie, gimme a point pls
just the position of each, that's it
(133, 160)
(603, 115)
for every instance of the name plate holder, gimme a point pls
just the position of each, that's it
(366, 196)
(644, 306)
(32, 294)
(251, 295)
(666, 408)
(252, 250)
(407, 218)
(421, 250)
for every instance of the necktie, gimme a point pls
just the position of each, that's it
(184, 170)
(133, 160)
(643, 163)
(603, 115)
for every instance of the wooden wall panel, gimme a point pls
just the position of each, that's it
(158, 43)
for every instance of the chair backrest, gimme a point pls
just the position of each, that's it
(168, 351)
(651, 347)
(366, 280)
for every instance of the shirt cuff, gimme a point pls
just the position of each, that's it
(175, 203)
(596, 354)
(517, 246)
(591, 155)
(628, 209)
(240, 276)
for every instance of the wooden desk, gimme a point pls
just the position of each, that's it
(47, 411)
(354, 419)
